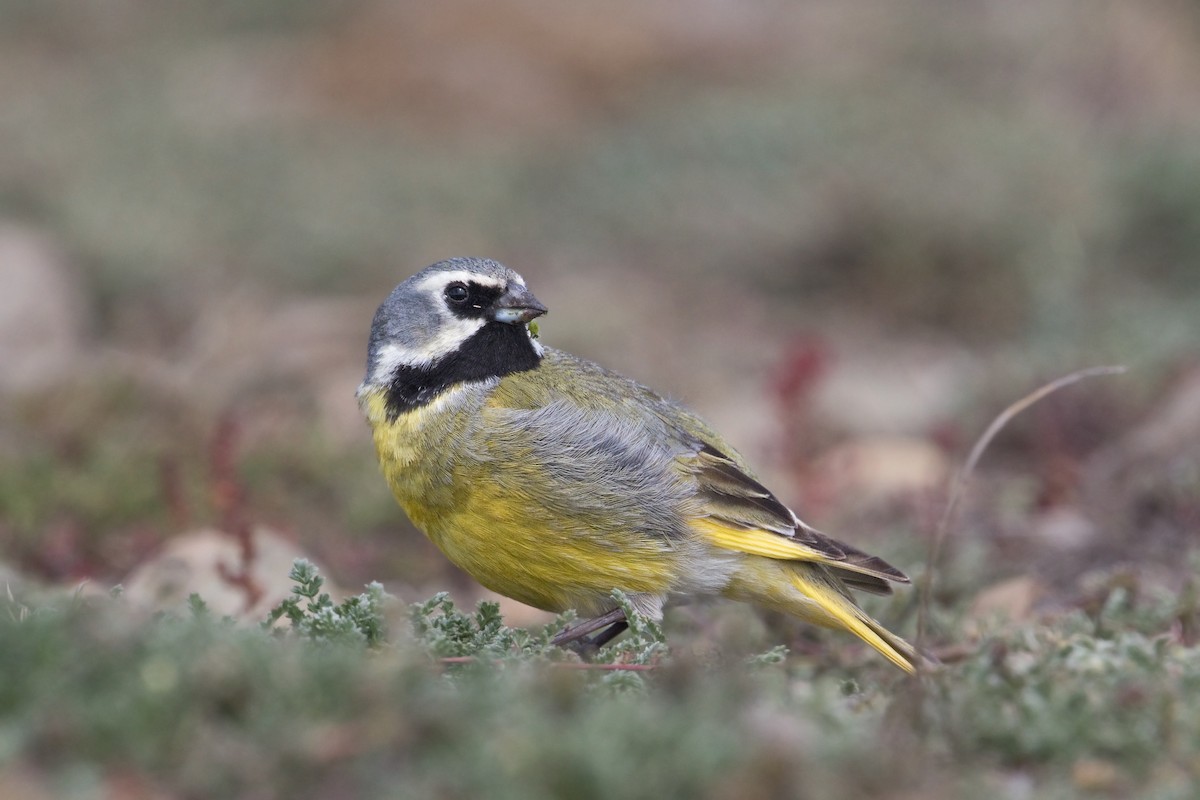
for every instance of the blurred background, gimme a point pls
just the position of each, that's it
(847, 234)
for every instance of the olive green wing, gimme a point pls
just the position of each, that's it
(743, 515)
(576, 407)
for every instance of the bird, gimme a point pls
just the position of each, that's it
(554, 481)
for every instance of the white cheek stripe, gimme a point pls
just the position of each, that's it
(537, 346)
(453, 331)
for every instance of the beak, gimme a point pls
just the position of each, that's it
(517, 304)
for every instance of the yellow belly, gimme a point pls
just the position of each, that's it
(517, 549)
(512, 542)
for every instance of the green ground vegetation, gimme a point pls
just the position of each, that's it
(448, 703)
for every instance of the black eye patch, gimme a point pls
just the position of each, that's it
(470, 299)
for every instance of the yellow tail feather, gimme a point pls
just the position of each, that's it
(757, 542)
(810, 583)
(810, 592)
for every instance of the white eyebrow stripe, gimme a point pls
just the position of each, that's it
(438, 280)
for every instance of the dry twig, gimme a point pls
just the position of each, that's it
(959, 486)
(230, 502)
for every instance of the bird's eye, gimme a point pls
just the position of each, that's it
(457, 293)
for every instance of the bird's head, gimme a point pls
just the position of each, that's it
(457, 320)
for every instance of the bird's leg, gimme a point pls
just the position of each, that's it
(575, 632)
(586, 647)
(590, 645)
(576, 637)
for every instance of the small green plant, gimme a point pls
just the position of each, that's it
(314, 615)
(448, 633)
(768, 658)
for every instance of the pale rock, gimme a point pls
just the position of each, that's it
(1012, 600)
(891, 387)
(191, 563)
(1063, 527)
(1096, 776)
(20, 780)
(42, 311)
(880, 467)
(11, 581)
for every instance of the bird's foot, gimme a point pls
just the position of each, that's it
(605, 628)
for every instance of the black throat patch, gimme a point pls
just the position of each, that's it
(496, 350)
